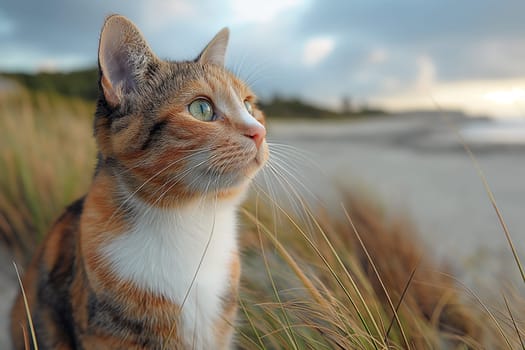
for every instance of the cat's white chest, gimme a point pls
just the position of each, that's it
(183, 255)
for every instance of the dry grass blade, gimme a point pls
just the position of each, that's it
(487, 310)
(329, 267)
(488, 190)
(496, 208)
(28, 311)
(342, 265)
(260, 344)
(514, 322)
(394, 311)
(401, 298)
(290, 261)
(288, 329)
(26, 338)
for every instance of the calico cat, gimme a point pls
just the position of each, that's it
(148, 259)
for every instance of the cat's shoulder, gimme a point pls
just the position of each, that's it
(60, 242)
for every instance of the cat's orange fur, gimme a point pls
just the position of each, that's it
(155, 160)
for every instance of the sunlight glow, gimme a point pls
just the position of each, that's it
(506, 97)
(494, 98)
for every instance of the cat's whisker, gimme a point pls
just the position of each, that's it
(176, 180)
(276, 204)
(131, 195)
(286, 175)
(143, 163)
(205, 193)
(272, 195)
(237, 67)
(195, 153)
(296, 199)
(292, 174)
(206, 172)
(127, 170)
(285, 163)
(290, 195)
(282, 150)
(268, 196)
(305, 155)
(257, 73)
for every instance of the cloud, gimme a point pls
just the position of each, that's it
(159, 13)
(377, 55)
(407, 21)
(47, 30)
(426, 76)
(317, 49)
(461, 37)
(261, 10)
(56, 28)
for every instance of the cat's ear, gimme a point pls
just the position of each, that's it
(215, 51)
(124, 58)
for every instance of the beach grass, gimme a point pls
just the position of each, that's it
(356, 279)
(47, 156)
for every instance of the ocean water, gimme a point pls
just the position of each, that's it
(495, 131)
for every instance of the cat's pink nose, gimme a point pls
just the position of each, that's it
(257, 133)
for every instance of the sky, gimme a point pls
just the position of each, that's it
(403, 54)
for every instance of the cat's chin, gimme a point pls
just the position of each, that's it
(234, 193)
(243, 176)
(261, 157)
(238, 184)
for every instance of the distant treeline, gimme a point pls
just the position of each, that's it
(83, 84)
(281, 107)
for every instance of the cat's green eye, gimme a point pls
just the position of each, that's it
(202, 110)
(248, 106)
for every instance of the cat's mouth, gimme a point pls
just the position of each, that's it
(261, 156)
(247, 171)
(251, 167)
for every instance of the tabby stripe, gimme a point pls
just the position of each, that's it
(107, 315)
(154, 133)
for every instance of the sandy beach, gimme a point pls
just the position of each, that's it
(414, 165)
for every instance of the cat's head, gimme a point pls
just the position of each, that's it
(174, 130)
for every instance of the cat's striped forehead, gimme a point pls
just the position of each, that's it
(188, 79)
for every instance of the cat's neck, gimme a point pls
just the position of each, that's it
(159, 250)
(164, 249)
(183, 255)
